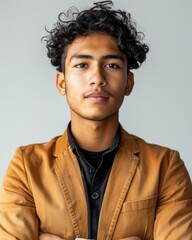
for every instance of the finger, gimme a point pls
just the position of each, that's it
(48, 236)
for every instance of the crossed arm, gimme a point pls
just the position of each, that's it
(173, 214)
(47, 236)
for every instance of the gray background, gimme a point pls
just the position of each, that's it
(158, 110)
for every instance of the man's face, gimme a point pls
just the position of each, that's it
(96, 79)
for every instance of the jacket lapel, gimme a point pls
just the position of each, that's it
(120, 178)
(70, 180)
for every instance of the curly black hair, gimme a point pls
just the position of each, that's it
(99, 18)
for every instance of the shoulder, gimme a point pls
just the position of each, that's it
(143, 147)
(159, 162)
(151, 156)
(39, 154)
(39, 147)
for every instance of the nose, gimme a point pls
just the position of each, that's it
(98, 77)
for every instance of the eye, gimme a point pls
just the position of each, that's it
(81, 65)
(113, 66)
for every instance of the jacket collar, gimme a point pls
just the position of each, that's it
(127, 140)
(61, 145)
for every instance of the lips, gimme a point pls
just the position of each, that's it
(97, 96)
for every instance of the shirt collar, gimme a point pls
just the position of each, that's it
(76, 149)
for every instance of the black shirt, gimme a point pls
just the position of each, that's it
(95, 168)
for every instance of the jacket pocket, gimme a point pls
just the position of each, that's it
(139, 204)
(136, 219)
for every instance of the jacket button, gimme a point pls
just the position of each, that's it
(95, 195)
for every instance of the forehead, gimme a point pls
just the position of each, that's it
(95, 44)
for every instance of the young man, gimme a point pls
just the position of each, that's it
(96, 181)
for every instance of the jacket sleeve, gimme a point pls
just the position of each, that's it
(174, 211)
(18, 219)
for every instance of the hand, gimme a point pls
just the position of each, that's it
(48, 236)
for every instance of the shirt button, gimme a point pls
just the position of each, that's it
(95, 195)
(91, 170)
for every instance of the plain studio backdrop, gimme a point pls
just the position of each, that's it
(159, 108)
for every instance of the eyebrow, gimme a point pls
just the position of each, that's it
(109, 56)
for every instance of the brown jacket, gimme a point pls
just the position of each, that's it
(149, 194)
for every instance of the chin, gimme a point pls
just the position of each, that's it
(98, 117)
(95, 116)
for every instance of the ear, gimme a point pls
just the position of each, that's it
(130, 84)
(60, 83)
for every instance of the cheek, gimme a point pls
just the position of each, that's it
(76, 80)
(74, 91)
(71, 84)
(119, 88)
(119, 80)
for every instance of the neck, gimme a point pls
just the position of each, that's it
(94, 135)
